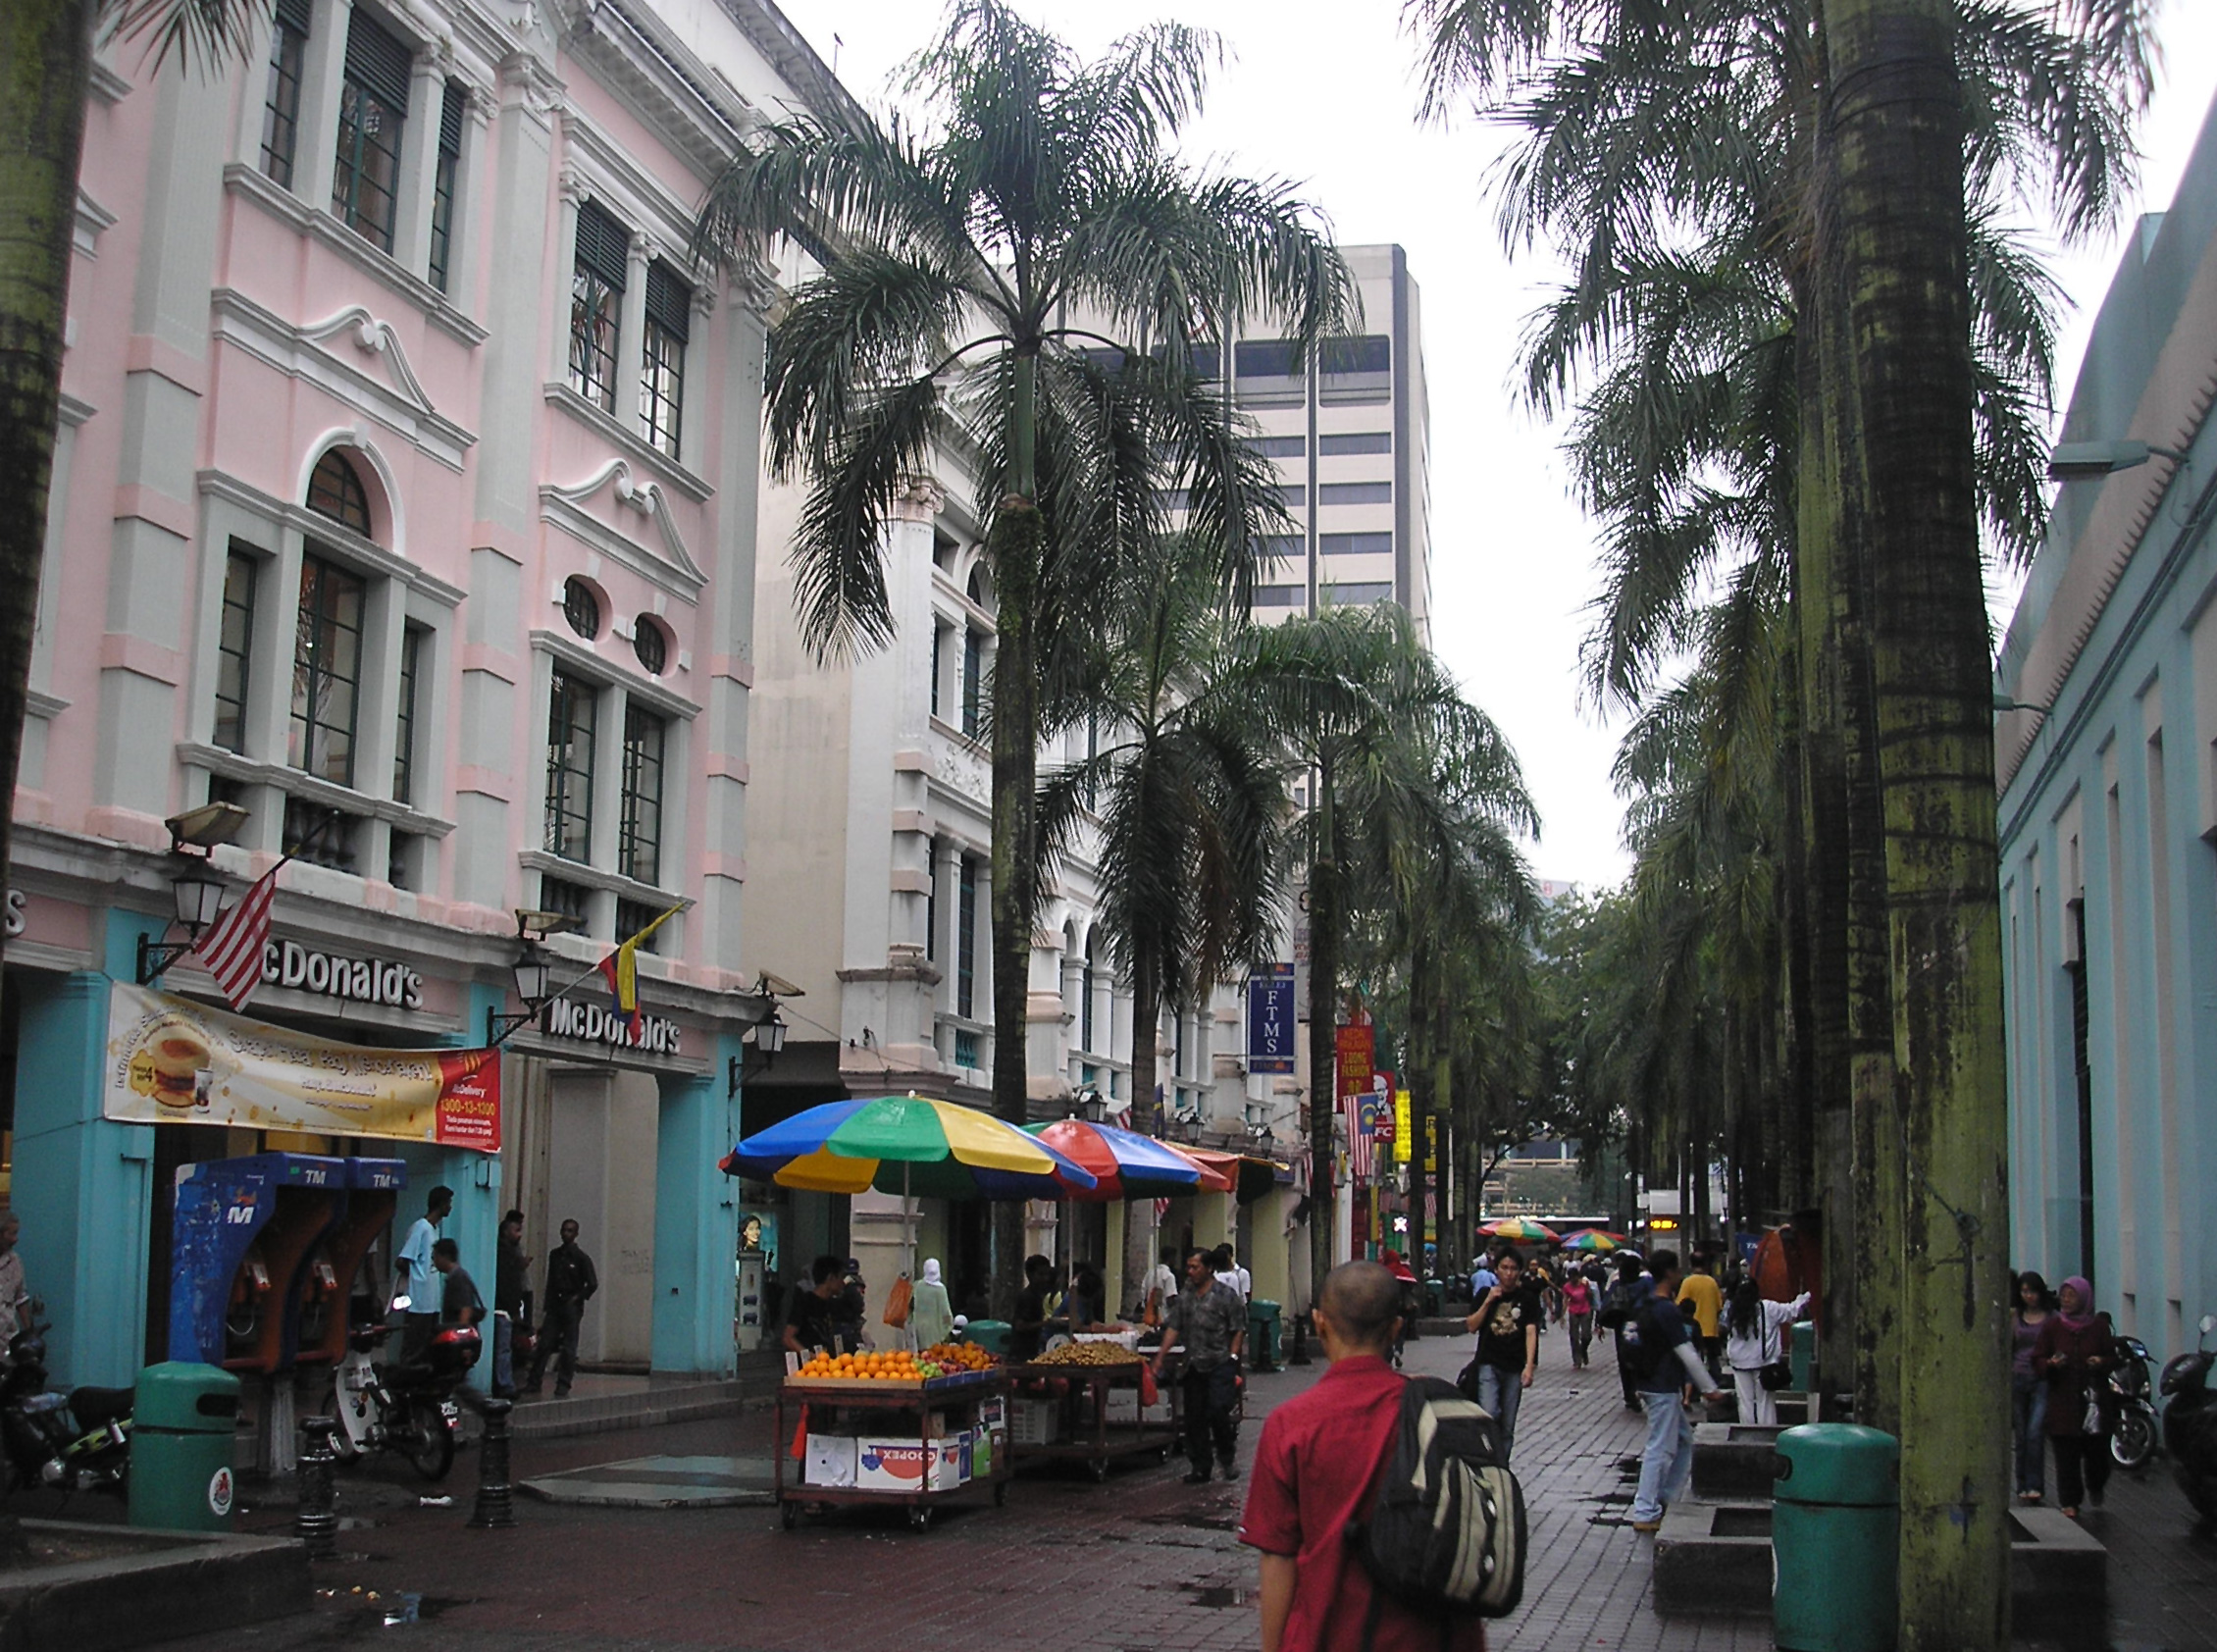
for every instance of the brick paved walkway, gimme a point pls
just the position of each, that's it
(1142, 1563)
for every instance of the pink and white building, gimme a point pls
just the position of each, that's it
(407, 497)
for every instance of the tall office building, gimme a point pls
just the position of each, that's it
(1351, 435)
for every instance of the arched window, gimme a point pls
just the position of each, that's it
(335, 491)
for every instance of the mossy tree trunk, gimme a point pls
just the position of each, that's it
(1899, 124)
(1323, 1023)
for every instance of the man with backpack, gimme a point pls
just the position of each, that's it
(1319, 1472)
(1661, 1353)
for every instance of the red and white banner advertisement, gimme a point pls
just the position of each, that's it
(1358, 1055)
(173, 1061)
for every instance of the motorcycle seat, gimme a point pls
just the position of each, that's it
(94, 1408)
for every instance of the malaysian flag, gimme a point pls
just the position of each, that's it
(1361, 1139)
(233, 949)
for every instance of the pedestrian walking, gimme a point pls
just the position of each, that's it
(1754, 1342)
(1578, 1314)
(571, 1283)
(1211, 1323)
(511, 1275)
(1661, 1350)
(2074, 1349)
(2028, 1387)
(1314, 1469)
(416, 1278)
(1703, 1298)
(1625, 1292)
(1508, 1321)
(931, 1315)
(1405, 1281)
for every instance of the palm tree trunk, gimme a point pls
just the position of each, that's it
(1324, 1023)
(1013, 547)
(1898, 120)
(45, 69)
(1147, 1017)
(1423, 1050)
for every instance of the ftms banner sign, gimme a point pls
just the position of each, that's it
(1270, 1020)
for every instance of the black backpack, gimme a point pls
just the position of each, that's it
(1644, 1351)
(1445, 1533)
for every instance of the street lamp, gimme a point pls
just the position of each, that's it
(195, 890)
(532, 974)
(766, 1032)
(2088, 461)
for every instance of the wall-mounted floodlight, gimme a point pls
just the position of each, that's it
(2088, 461)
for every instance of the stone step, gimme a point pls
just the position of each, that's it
(663, 1402)
(1713, 1559)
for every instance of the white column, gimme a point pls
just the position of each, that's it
(323, 69)
(693, 424)
(419, 162)
(631, 333)
(571, 189)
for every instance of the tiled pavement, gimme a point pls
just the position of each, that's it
(1142, 1563)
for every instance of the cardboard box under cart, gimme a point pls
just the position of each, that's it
(913, 1445)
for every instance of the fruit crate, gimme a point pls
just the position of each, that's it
(1033, 1422)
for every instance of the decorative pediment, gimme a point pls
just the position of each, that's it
(374, 338)
(564, 507)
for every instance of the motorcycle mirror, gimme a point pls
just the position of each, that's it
(2208, 1323)
(401, 1305)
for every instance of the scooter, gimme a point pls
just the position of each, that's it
(2189, 1423)
(407, 1406)
(2131, 1442)
(78, 1441)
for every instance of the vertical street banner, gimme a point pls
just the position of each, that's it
(1404, 1134)
(1270, 1020)
(1358, 1056)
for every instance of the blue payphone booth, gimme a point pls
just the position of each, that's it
(244, 1231)
(333, 1272)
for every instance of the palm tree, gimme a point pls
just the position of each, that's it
(45, 73)
(1191, 792)
(964, 267)
(1406, 772)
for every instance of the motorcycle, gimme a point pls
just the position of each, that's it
(405, 1407)
(2189, 1423)
(2131, 1442)
(78, 1441)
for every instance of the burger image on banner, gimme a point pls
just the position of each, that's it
(171, 1064)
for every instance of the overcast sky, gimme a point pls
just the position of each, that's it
(1327, 96)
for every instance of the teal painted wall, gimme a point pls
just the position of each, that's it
(696, 1222)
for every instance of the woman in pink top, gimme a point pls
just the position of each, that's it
(1577, 1309)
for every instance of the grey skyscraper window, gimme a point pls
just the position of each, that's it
(1355, 544)
(1355, 493)
(1363, 442)
(1356, 594)
(1277, 597)
(1282, 447)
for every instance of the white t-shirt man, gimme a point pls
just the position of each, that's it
(1161, 1289)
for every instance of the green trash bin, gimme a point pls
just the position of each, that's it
(1263, 1323)
(991, 1335)
(1835, 1525)
(182, 1418)
(1801, 1358)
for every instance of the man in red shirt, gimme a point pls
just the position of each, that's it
(1313, 1474)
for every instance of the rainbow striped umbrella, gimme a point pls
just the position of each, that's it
(1125, 1165)
(910, 1145)
(1522, 1230)
(1592, 1239)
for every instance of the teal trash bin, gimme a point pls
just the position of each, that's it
(1802, 1357)
(1264, 1318)
(991, 1335)
(183, 1418)
(1435, 1296)
(1835, 1525)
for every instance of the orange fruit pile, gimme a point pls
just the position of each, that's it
(958, 1356)
(867, 1368)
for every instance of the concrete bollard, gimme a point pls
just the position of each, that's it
(496, 1504)
(316, 1522)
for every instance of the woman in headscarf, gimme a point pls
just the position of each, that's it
(930, 1315)
(2073, 1353)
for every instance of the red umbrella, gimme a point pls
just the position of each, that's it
(1124, 1165)
(1219, 1172)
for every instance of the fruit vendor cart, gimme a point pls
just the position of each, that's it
(911, 1444)
(1080, 1402)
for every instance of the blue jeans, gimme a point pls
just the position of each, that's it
(1501, 1392)
(2028, 1407)
(1666, 1461)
